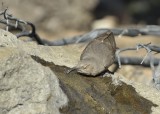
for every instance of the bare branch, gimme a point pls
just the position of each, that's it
(132, 32)
(24, 32)
(146, 46)
(147, 49)
(146, 30)
(137, 61)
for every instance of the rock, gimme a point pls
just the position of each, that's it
(29, 72)
(98, 95)
(106, 22)
(25, 85)
(7, 39)
(59, 55)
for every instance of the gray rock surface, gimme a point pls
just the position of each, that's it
(26, 87)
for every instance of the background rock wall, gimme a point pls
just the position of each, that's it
(54, 15)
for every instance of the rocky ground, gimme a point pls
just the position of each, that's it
(34, 80)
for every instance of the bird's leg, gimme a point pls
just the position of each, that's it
(71, 70)
(107, 73)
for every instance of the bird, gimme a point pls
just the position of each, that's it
(97, 56)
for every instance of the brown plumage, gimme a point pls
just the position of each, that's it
(98, 55)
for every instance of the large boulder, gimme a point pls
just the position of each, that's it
(26, 87)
